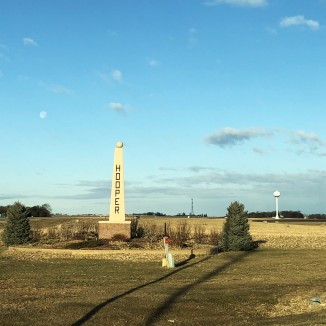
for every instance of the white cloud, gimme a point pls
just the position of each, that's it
(29, 41)
(305, 143)
(118, 107)
(299, 20)
(240, 3)
(117, 75)
(59, 89)
(308, 142)
(304, 136)
(231, 137)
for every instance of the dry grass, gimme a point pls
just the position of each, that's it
(269, 286)
(263, 287)
(288, 235)
(285, 234)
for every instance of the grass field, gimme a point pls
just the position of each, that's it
(263, 287)
(272, 285)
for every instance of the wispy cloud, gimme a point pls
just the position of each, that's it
(229, 137)
(29, 41)
(197, 168)
(118, 107)
(59, 89)
(239, 3)
(112, 33)
(305, 143)
(308, 142)
(15, 196)
(307, 137)
(56, 88)
(117, 75)
(299, 20)
(4, 49)
(104, 76)
(271, 31)
(192, 37)
(153, 62)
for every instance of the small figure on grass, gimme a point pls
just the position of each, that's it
(235, 235)
(17, 228)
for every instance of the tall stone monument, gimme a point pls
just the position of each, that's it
(117, 224)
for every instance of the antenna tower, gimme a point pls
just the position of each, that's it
(192, 208)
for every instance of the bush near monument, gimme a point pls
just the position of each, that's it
(235, 234)
(17, 228)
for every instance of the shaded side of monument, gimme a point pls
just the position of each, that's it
(117, 224)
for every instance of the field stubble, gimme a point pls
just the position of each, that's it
(284, 234)
(268, 286)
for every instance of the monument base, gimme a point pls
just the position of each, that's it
(108, 230)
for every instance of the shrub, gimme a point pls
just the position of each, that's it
(200, 234)
(180, 234)
(85, 244)
(152, 232)
(214, 237)
(17, 228)
(235, 234)
(119, 237)
(136, 230)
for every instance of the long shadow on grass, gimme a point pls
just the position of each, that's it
(174, 297)
(165, 306)
(96, 309)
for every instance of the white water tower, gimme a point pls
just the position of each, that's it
(276, 194)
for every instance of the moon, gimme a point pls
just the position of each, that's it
(43, 114)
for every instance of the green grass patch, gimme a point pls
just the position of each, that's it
(262, 287)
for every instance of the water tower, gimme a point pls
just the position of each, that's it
(276, 194)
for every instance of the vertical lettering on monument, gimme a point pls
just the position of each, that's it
(117, 211)
(117, 189)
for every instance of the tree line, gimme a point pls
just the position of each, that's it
(44, 210)
(285, 214)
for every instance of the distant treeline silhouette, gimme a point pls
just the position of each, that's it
(285, 214)
(34, 211)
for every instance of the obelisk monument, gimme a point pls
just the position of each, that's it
(117, 224)
(117, 205)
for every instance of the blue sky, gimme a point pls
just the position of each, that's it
(215, 100)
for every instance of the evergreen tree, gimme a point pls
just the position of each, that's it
(17, 228)
(235, 235)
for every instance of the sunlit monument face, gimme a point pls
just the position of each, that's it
(117, 223)
(117, 204)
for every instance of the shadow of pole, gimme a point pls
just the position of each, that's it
(173, 298)
(155, 316)
(96, 309)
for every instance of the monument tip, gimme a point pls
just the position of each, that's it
(119, 144)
